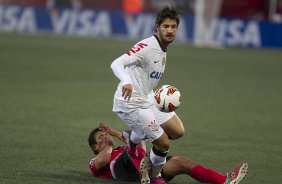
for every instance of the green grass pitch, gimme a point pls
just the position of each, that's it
(54, 90)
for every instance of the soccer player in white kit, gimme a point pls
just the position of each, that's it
(140, 71)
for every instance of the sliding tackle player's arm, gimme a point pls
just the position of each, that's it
(103, 158)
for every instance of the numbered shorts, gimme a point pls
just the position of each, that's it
(146, 122)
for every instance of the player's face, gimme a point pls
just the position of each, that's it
(101, 138)
(166, 32)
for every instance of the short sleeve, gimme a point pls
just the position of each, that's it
(92, 167)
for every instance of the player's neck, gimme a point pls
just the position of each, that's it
(162, 45)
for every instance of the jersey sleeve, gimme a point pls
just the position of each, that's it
(134, 57)
(139, 53)
(102, 173)
(118, 67)
(93, 168)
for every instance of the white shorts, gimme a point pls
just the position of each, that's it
(146, 122)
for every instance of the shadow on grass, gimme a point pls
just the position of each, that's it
(66, 176)
(70, 176)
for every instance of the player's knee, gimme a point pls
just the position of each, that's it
(162, 143)
(180, 134)
(181, 165)
(162, 146)
(177, 135)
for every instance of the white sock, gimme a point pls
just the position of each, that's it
(157, 163)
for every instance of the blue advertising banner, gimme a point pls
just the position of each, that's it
(99, 23)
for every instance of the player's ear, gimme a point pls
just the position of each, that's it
(157, 27)
(94, 148)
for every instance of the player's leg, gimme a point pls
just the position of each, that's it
(173, 127)
(160, 143)
(178, 165)
(170, 123)
(132, 138)
(144, 125)
(158, 154)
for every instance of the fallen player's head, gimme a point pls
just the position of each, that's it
(98, 139)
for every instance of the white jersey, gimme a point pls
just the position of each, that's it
(142, 67)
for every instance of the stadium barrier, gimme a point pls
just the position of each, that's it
(99, 23)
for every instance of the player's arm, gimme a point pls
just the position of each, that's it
(111, 131)
(118, 134)
(118, 67)
(134, 57)
(103, 158)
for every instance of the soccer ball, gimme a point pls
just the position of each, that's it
(167, 98)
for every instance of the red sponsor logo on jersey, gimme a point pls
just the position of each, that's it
(136, 48)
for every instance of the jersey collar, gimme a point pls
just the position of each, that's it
(163, 49)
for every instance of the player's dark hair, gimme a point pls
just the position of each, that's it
(167, 12)
(92, 140)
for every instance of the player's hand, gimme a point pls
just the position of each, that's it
(111, 131)
(127, 91)
(106, 143)
(110, 142)
(105, 128)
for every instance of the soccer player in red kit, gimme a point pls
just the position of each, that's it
(116, 163)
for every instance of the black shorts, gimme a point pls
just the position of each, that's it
(126, 171)
(124, 168)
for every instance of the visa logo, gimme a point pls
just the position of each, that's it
(156, 75)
